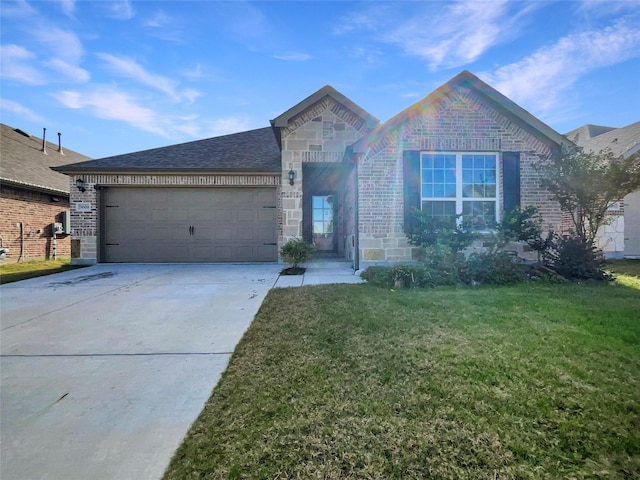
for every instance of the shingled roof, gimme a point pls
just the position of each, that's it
(623, 141)
(254, 151)
(23, 163)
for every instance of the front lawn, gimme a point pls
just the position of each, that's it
(626, 271)
(356, 382)
(13, 272)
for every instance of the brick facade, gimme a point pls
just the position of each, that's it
(85, 230)
(36, 212)
(459, 122)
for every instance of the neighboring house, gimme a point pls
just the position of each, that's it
(325, 171)
(32, 196)
(621, 236)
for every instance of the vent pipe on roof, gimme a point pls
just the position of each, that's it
(44, 145)
(60, 144)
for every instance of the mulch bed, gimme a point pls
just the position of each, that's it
(293, 271)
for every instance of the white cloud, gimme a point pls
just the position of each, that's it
(19, 109)
(71, 72)
(294, 57)
(120, 9)
(16, 9)
(373, 18)
(127, 67)
(65, 44)
(160, 19)
(14, 61)
(457, 37)
(542, 79)
(68, 7)
(195, 73)
(446, 35)
(190, 94)
(109, 103)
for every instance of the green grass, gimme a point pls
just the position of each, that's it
(355, 382)
(627, 272)
(13, 272)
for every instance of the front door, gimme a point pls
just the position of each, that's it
(322, 222)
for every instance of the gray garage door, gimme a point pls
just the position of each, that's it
(189, 225)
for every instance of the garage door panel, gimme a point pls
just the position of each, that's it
(246, 215)
(189, 224)
(266, 215)
(265, 252)
(265, 234)
(224, 215)
(246, 235)
(223, 233)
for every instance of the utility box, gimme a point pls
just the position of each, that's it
(57, 229)
(66, 223)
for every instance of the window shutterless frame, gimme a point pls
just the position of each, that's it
(467, 183)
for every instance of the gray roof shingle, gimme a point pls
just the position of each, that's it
(22, 162)
(253, 151)
(623, 141)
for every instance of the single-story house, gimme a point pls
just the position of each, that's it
(33, 198)
(325, 170)
(621, 236)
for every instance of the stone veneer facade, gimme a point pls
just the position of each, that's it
(320, 134)
(460, 122)
(85, 231)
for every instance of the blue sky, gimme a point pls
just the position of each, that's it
(120, 76)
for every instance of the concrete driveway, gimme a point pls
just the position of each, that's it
(104, 368)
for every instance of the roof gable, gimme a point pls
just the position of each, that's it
(472, 84)
(253, 151)
(327, 91)
(24, 163)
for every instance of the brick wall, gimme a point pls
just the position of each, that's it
(85, 225)
(459, 122)
(37, 212)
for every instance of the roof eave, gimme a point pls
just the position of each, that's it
(166, 171)
(31, 186)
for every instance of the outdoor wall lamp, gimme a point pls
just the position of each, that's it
(80, 185)
(292, 176)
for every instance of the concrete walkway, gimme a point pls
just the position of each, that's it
(321, 271)
(104, 368)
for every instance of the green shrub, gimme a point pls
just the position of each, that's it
(444, 264)
(493, 268)
(576, 259)
(399, 276)
(429, 231)
(525, 226)
(297, 251)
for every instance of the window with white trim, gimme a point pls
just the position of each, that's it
(456, 182)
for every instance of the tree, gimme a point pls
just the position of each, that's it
(586, 184)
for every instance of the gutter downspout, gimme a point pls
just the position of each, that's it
(356, 256)
(21, 257)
